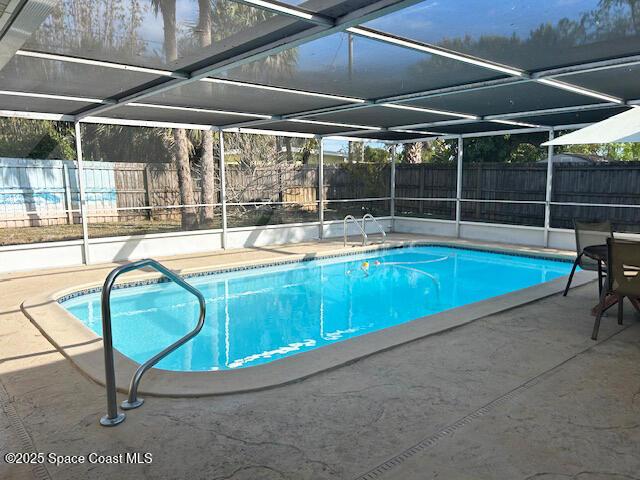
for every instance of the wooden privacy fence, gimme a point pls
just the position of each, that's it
(426, 181)
(614, 183)
(357, 180)
(44, 192)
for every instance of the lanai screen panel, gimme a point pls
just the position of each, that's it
(141, 34)
(251, 98)
(531, 35)
(518, 97)
(622, 82)
(145, 47)
(574, 118)
(382, 116)
(376, 69)
(44, 76)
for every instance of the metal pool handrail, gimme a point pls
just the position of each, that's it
(344, 229)
(113, 417)
(368, 216)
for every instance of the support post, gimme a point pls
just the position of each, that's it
(392, 187)
(547, 198)
(83, 198)
(459, 185)
(148, 195)
(67, 193)
(223, 191)
(320, 195)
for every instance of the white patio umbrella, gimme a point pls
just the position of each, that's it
(624, 127)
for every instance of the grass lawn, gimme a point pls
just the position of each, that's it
(237, 216)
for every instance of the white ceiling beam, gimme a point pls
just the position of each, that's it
(435, 50)
(548, 111)
(289, 10)
(579, 90)
(429, 110)
(477, 86)
(66, 98)
(199, 110)
(362, 103)
(291, 91)
(54, 117)
(336, 124)
(347, 134)
(147, 123)
(56, 57)
(627, 61)
(279, 133)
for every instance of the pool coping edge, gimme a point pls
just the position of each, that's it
(83, 347)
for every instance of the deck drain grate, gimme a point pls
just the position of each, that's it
(39, 471)
(432, 440)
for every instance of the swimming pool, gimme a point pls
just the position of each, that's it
(258, 315)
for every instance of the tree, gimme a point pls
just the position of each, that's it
(356, 152)
(521, 148)
(207, 161)
(613, 151)
(375, 154)
(44, 139)
(412, 153)
(182, 146)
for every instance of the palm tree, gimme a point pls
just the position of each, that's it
(412, 153)
(182, 146)
(167, 9)
(203, 32)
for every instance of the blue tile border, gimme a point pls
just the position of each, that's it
(153, 281)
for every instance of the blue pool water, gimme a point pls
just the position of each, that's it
(259, 315)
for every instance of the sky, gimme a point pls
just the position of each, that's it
(332, 145)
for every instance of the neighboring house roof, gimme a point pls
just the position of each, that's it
(575, 158)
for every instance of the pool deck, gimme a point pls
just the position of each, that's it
(519, 394)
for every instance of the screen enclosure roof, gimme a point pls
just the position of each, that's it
(389, 70)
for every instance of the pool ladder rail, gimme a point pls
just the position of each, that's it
(113, 417)
(362, 228)
(368, 216)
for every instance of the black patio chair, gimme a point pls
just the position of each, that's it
(589, 234)
(623, 278)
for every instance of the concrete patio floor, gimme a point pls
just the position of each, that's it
(517, 395)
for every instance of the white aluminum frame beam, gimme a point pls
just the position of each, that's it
(505, 117)
(435, 50)
(290, 10)
(483, 85)
(320, 195)
(548, 190)
(353, 103)
(83, 197)
(459, 160)
(223, 191)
